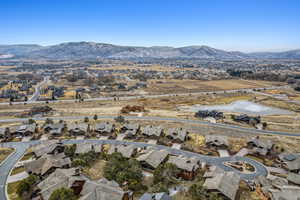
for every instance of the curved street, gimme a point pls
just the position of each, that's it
(21, 147)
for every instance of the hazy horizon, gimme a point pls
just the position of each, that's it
(247, 26)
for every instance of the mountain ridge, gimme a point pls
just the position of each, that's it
(93, 50)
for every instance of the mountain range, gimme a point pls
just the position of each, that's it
(92, 50)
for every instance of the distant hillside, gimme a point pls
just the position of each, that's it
(293, 54)
(91, 50)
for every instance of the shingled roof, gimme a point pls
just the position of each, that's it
(47, 148)
(216, 140)
(153, 157)
(152, 131)
(58, 179)
(46, 162)
(292, 161)
(103, 189)
(104, 127)
(155, 196)
(78, 128)
(177, 134)
(184, 163)
(226, 183)
(127, 151)
(87, 147)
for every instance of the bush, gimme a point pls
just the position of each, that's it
(70, 150)
(63, 194)
(31, 121)
(120, 119)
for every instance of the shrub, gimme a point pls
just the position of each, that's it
(63, 194)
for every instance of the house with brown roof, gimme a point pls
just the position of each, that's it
(188, 166)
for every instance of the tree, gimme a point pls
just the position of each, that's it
(31, 121)
(198, 192)
(86, 120)
(95, 117)
(63, 194)
(124, 171)
(24, 188)
(165, 173)
(49, 121)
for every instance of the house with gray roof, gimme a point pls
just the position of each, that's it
(47, 164)
(127, 151)
(152, 131)
(260, 146)
(55, 129)
(225, 183)
(155, 196)
(87, 147)
(130, 130)
(24, 130)
(67, 178)
(51, 147)
(104, 128)
(152, 158)
(188, 166)
(177, 134)
(78, 128)
(217, 141)
(104, 190)
(290, 161)
(293, 178)
(285, 193)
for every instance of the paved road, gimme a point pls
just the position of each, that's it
(168, 119)
(37, 91)
(34, 100)
(7, 166)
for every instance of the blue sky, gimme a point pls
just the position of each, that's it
(245, 25)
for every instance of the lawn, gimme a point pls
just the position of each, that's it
(4, 152)
(17, 170)
(96, 171)
(12, 189)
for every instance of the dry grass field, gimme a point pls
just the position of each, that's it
(4, 152)
(173, 86)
